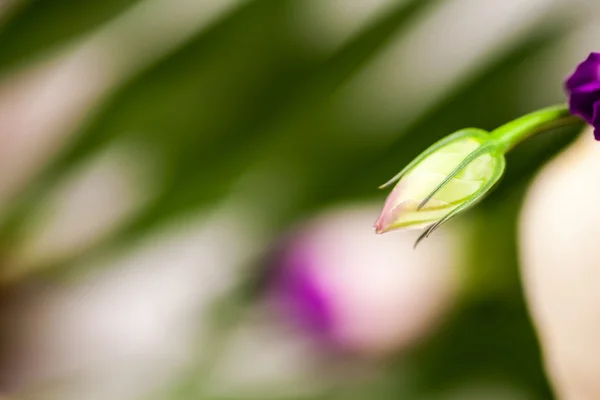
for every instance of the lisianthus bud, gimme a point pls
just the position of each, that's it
(445, 179)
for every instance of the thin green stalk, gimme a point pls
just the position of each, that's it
(509, 135)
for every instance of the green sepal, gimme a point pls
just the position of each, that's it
(476, 197)
(467, 132)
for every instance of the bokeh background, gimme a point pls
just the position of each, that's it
(188, 187)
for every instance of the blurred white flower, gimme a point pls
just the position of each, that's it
(560, 226)
(86, 206)
(128, 327)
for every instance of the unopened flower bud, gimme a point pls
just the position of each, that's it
(444, 180)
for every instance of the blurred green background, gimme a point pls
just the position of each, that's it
(277, 109)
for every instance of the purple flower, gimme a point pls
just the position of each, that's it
(584, 91)
(358, 292)
(298, 291)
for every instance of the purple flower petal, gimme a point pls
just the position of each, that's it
(586, 72)
(596, 120)
(583, 99)
(300, 293)
(583, 87)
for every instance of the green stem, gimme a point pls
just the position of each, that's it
(509, 135)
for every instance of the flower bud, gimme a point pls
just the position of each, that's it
(447, 178)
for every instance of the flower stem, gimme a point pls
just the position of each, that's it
(509, 135)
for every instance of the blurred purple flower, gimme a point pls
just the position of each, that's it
(358, 292)
(583, 87)
(300, 294)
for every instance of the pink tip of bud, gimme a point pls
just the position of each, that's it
(378, 228)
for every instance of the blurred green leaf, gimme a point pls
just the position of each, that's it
(38, 26)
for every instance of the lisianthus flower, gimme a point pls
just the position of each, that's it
(559, 255)
(583, 87)
(360, 293)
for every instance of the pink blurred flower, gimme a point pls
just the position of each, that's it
(361, 292)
